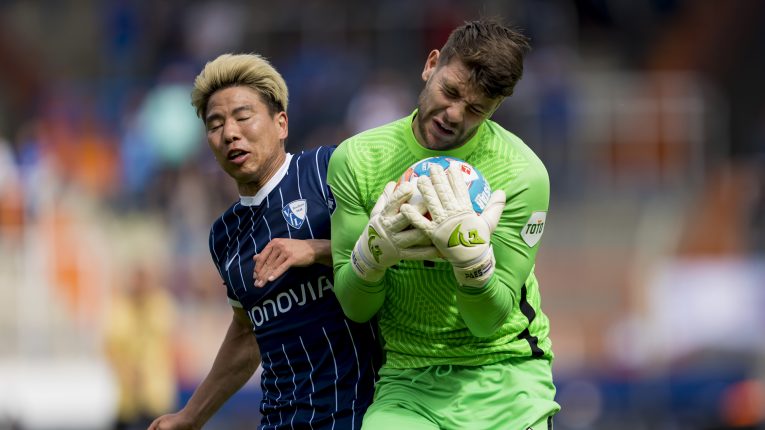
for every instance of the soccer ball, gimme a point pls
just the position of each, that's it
(478, 187)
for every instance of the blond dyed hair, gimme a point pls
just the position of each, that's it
(247, 70)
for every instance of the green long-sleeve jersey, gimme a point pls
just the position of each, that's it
(425, 317)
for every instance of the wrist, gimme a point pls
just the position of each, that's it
(191, 417)
(476, 273)
(363, 265)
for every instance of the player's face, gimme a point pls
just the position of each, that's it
(245, 138)
(450, 106)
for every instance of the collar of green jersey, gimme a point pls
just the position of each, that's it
(462, 152)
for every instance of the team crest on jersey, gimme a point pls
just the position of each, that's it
(294, 212)
(534, 227)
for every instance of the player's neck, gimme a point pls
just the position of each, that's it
(256, 190)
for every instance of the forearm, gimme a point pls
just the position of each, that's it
(235, 363)
(360, 300)
(485, 309)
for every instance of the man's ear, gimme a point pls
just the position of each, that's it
(430, 64)
(283, 122)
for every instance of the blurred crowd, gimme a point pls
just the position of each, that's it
(650, 117)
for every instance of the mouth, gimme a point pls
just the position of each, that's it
(442, 129)
(237, 156)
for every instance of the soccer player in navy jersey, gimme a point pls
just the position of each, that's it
(272, 251)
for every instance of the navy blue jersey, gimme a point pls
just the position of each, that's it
(319, 368)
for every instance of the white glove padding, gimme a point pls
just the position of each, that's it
(460, 234)
(387, 238)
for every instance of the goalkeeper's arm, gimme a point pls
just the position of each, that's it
(490, 275)
(363, 246)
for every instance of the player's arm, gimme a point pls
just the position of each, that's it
(280, 254)
(365, 246)
(359, 298)
(237, 359)
(486, 309)
(489, 263)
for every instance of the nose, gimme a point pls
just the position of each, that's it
(231, 131)
(455, 113)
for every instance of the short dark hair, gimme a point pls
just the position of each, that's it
(491, 51)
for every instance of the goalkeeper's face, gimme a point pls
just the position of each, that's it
(451, 107)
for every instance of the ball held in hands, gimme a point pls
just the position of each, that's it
(461, 235)
(477, 185)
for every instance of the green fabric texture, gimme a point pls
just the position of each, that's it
(425, 318)
(447, 397)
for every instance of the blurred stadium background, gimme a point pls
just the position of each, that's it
(650, 116)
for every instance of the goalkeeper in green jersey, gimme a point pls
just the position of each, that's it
(466, 341)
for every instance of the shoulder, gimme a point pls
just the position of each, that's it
(500, 138)
(225, 220)
(363, 160)
(507, 144)
(314, 158)
(378, 141)
(319, 151)
(221, 230)
(507, 156)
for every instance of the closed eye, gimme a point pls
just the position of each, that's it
(476, 110)
(213, 122)
(451, 94)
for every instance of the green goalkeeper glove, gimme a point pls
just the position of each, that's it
(387, 238)
(460, 234)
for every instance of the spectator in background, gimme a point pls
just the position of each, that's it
(11, 210)
(139, 345)
(382, 99)
(271, 248)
